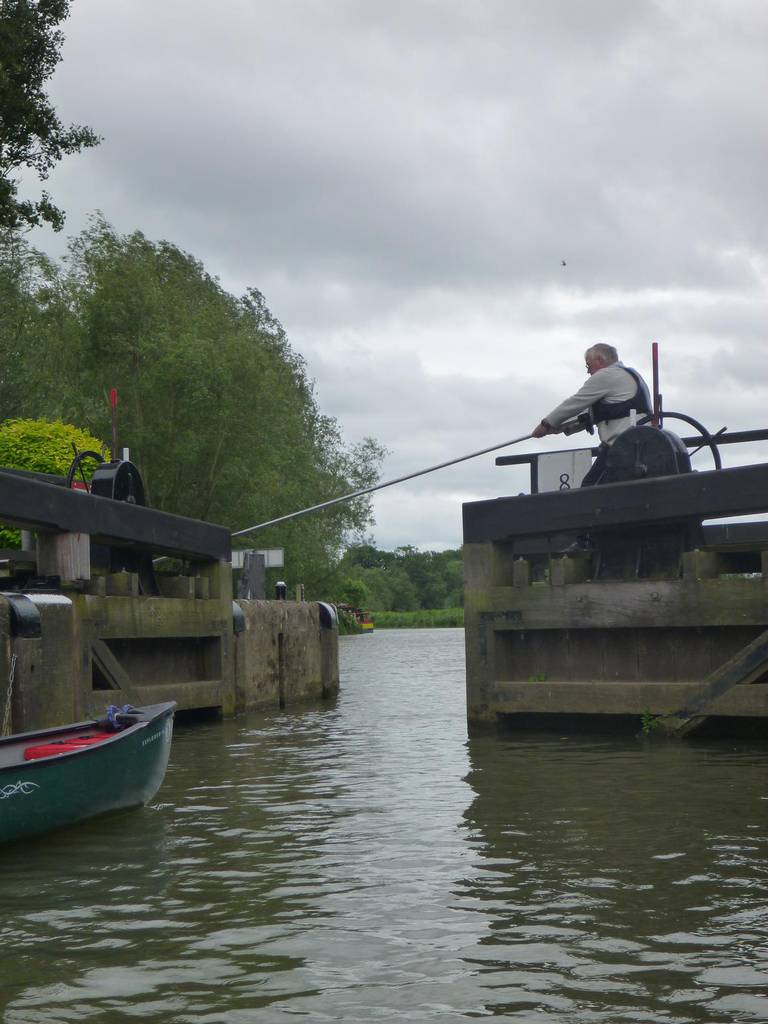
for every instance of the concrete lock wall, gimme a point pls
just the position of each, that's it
(284, 655)
(90, 651)
(40, 674)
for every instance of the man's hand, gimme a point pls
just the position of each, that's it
(542, 429)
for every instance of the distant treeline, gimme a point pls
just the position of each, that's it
(423, 619)
(217, 409)
(402, 580)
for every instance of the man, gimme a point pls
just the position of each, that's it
(612, 398)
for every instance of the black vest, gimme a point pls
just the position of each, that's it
(603, 410)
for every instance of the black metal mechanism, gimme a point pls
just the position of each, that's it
(76, 466)
(710, 440)
(645, 451)
(640, 453)
(120, 481)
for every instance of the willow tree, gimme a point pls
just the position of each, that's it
(25, 276)
(217, 409)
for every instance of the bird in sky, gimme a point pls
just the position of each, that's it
(563, 263)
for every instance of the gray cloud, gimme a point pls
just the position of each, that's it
(402, 181)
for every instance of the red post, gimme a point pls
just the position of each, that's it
(113, 403)
(656, 417)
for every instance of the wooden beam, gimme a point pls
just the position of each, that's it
(742, 669)
(34, 504)
(749, 536)
(67, 555)
(736, 536)
(709, 495)
(659, 699)
(662, 604)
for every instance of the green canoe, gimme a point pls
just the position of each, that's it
(60, 776)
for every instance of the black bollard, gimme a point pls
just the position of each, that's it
(280, 590)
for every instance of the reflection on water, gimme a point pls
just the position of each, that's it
(621, 881)
(364, 861)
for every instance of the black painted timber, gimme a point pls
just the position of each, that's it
(736, 536)
(708, 495)
(28, 474)
(528, 458)
(35, 505)
(697, 441)
(734, 437)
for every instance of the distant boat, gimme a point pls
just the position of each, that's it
(60, 776)
(362, 619)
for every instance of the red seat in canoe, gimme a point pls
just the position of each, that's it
(65, 746)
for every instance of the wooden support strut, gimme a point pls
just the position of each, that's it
(113, 672)
(746, 666)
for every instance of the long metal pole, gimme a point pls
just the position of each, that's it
(378, 487)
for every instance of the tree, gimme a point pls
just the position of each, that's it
(353, 592)
(406, 579)
(217, 409)
(22, 275)
(31, 134)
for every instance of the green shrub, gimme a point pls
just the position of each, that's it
(40, 446)
(425, 618)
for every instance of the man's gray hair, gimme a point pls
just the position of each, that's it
(602, 351)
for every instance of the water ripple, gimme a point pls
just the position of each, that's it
(365, 861)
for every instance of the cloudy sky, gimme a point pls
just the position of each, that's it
(403, 181)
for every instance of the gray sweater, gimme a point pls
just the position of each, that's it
(612, 383)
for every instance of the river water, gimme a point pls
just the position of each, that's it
(365, 861)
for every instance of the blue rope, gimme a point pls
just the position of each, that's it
(113, 713)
